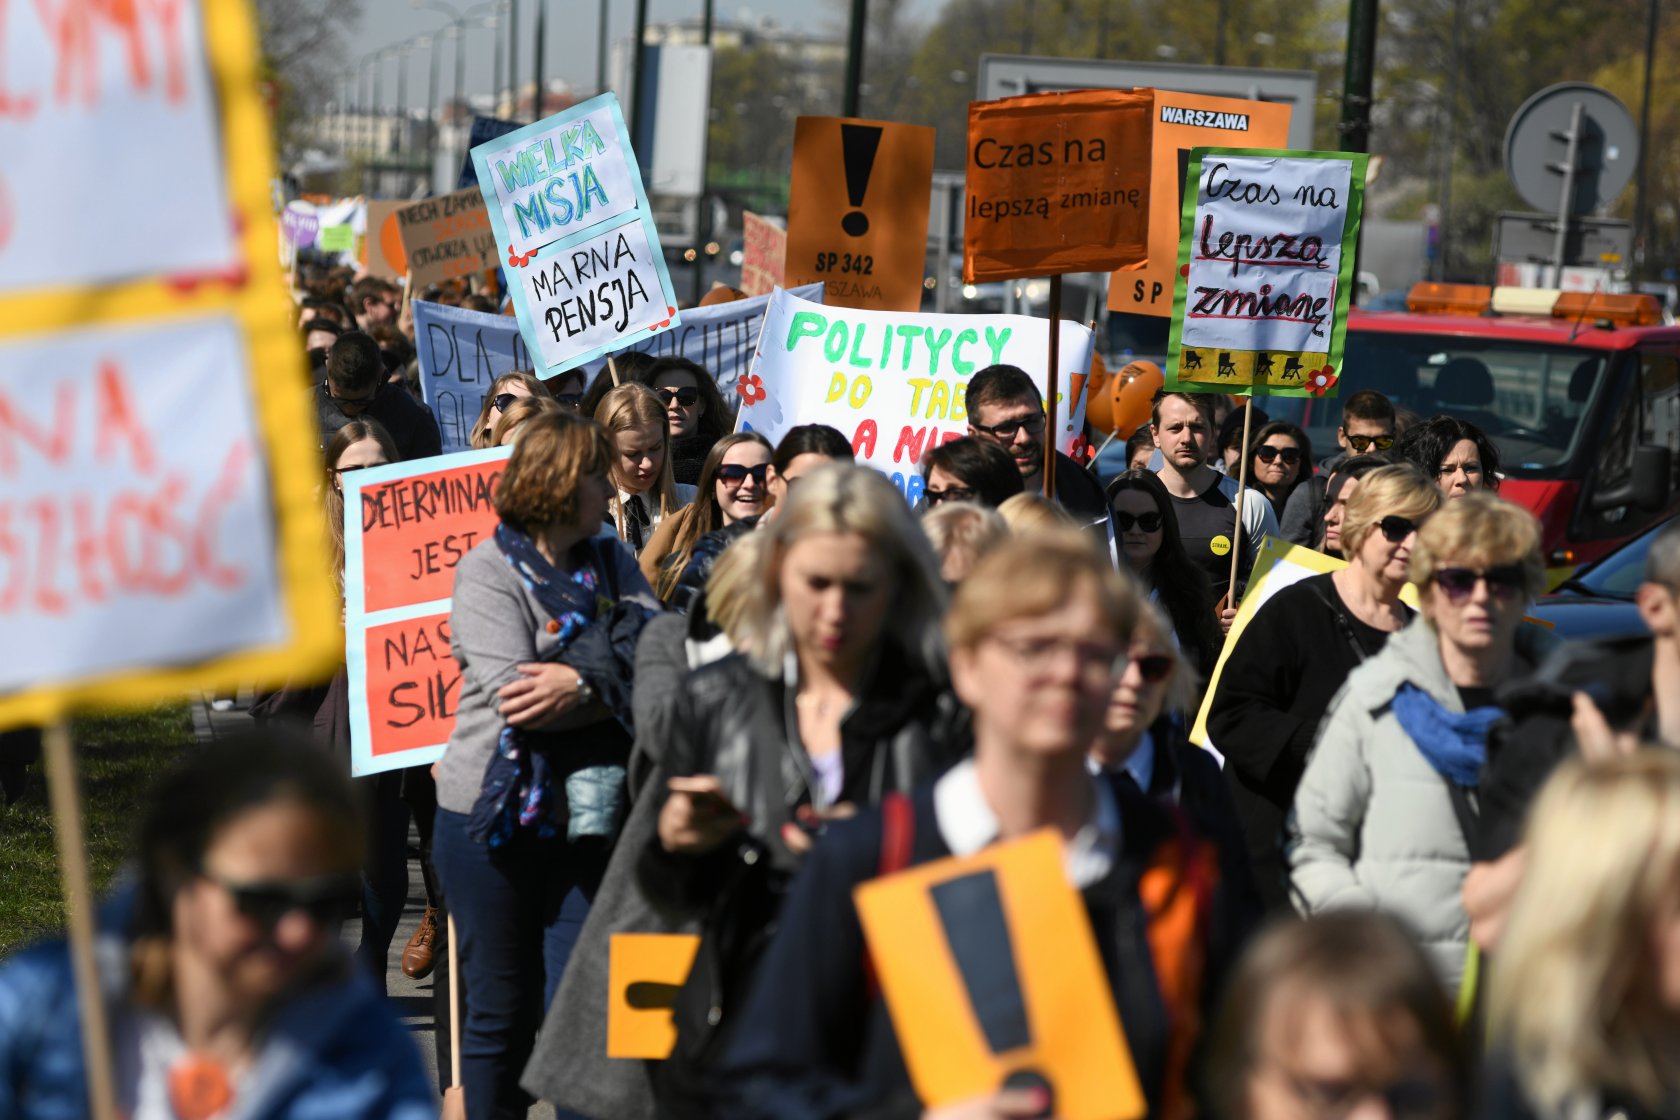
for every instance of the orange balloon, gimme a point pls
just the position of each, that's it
(1130, 400)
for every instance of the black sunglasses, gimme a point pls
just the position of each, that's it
(1007, 430)
(1148, 522)
(324, 898)
(1396, 528)
(734, 474)
(1154, 668)
(1363, 444)
(1502, 581)
(501, 402)
(569, 400)
(1266, 453)
(685, 397)
(352, 402)
(954, 494)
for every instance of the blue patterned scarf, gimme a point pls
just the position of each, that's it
(1454, 744)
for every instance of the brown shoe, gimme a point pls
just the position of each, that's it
(417, 957)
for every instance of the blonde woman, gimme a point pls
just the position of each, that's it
(1388, 797)
(840, 698)
(518, 414)
(506, 389)
(1584, 1001)
(961, 533)
(639, 432)
(1034, 513)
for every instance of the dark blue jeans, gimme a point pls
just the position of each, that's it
(518, 911)
(385, 872)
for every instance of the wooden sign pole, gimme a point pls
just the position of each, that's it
(66, 801)
(1242, 485)
(1050, 428)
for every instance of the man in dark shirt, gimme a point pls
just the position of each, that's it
(355, 388)
(1005, 408)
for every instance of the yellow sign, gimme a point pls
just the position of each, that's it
(160, 522)
(645, 971)
(990, 969)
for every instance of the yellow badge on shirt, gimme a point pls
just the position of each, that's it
(1220, 545)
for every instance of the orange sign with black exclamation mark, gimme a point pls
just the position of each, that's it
(858, 211)
(991, 973)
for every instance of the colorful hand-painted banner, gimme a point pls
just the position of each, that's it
(858, 211)
(584, 266)
(447, 237)
(406, 527)
(763, 251)
(1184, 121)
(989, 967)
(135, 563)
(462, 352)
(1057, 182)
(1265, 271)
(894, 383)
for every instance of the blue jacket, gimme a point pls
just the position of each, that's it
(334, 1051)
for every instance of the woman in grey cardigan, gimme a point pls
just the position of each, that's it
(1390, 791)
(527, 785)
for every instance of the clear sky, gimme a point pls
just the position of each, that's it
(573, 27)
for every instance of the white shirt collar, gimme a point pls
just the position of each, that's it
(967, 824)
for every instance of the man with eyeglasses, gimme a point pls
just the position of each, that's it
(355, 387)
(1367, 428)
(374, 301)
(1005, 408)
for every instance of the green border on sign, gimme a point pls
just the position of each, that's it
(1344, 276)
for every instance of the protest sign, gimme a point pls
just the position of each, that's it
(462, 353)
(893, 383)
(299, 224)
(989, 968)
(447, 237)
(406, 528)
(484, 130)
(1057, 182)
(137, 562)
(383, 247)
(336, 239)
(1265, 271)
(763, 249)
(858, 211)
(584, 266)
(1184, 121)
(645, 971)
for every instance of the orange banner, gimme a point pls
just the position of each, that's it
(858, 211)
(415, 529)
(989, 969)
(1184, 121)
(1057, 182)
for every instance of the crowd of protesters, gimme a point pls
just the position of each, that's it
(1421, 864)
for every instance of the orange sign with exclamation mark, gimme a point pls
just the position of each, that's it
(858, 211)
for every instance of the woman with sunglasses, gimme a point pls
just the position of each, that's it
(968, 470)
(506, 389)
(226, 987)
(639, 430)
(1385, 806)
(698, 416)
(734, 490)
(1282, 459)
(1147, 529)
(1297, 651)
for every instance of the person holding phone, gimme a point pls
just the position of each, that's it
(840, 699)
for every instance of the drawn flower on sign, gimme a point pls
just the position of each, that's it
(751, 388)
(1321, 381)
(516, 260)
(1080, 450)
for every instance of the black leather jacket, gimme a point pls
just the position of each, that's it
(738, 724)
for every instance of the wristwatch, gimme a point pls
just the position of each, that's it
(585, 692)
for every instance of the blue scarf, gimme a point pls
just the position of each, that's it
(1454, 744)
(518, 792)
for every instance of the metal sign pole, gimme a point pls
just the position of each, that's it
(1566, 202)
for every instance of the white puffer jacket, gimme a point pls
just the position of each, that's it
(1374, 823)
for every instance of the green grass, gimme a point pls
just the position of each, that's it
(117, 758)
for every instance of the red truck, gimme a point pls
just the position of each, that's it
(1581, 393)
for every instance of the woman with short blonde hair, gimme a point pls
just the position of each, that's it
(1389, 794)
(1584, 1001)
(1033, 513)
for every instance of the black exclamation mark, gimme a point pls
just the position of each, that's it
(858, 143)
(977, 930)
